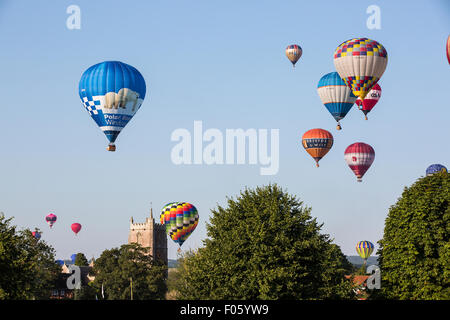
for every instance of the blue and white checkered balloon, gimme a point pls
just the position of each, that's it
(112, 92)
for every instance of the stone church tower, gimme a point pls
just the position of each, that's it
(150, 235)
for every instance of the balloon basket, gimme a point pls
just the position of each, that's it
(111, 147)
(317, 164)
(366, 118)
(338, 127)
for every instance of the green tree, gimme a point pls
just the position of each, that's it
(414, 252)
(80, 260)
(130, 265)
(264, 245)
(27, 266)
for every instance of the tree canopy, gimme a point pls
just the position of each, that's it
(130, 265)
(27, 266)
(264, 245)
(80, 260)
(414, 253)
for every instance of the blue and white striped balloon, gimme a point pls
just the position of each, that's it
(112, 92)
(336, 96)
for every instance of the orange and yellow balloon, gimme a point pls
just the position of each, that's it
(317, 142)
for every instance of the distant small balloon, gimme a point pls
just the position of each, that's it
(51, 219)
(434, 168)
(76, 227)
(294, 52)
(36, 234)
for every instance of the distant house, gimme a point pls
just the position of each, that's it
(360, 285)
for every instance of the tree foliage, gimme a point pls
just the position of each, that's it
(80, 260)
(414, 253)
(130, 265)
(27, 266)
(264, 245)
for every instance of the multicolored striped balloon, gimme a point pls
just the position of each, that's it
(317, 142)
(434, 168)
(360, 62)
(180, 219)
(336, 96)
(359, 157)
(294, 52)
(364, 249)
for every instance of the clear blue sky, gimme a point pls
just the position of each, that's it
(221, 62)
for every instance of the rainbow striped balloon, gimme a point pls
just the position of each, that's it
(180, 220)
(364, 249)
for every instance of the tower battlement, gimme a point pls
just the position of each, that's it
(151, 235)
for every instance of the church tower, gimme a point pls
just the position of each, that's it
(150, 235)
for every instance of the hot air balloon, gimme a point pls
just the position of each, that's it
(336, 96)
(60, 262)
(317, 142)
(294, 52)
(76, 227)
(180, 219)
(163, 210)
(370, 100)
(51, 219)
(112, 92)
(364, 249)
(360, 62)
(36, 235)
(359, 157)
(448, 49)
(434, 168)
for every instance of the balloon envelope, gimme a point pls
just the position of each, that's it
(364, 249)
(36, 234)
(370, 100)
(448, 49)
(317, 142)
(335, 95)
(180, 219)
(51, 219)
(360, 62)
(359, 157)
(76, 227)
(112, 92)
(294, 52)
(435, 168)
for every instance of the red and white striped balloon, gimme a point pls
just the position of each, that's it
(359, 157)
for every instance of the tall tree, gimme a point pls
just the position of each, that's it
(129, 267)
(414, 253)
(80, 260)
(264, 245)
(27, 266)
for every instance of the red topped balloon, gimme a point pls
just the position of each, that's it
(359, 157)
(76, 227)
(370, 100)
